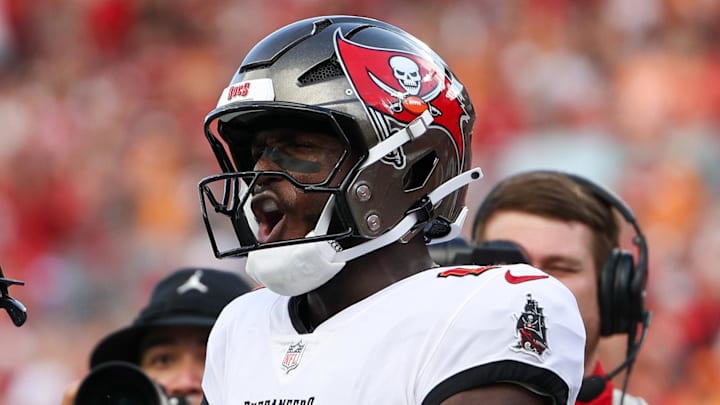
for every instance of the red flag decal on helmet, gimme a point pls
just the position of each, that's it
(400, 86)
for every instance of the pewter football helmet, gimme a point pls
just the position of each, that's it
(393, 102)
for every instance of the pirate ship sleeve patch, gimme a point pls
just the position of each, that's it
(531, 330)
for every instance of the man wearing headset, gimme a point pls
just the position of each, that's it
(568, 227)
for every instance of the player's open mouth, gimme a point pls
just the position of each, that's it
(269, 218)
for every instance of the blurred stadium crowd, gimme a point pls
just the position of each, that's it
(101, 149)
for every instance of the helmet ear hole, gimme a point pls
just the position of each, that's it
(420, 172)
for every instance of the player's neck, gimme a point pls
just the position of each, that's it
(364, 277)
(591, 363)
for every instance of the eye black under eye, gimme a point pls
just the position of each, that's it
(255, 153)
(257, 148)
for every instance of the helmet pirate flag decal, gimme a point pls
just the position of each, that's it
(396, 87)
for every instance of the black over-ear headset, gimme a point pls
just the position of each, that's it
(622, 280)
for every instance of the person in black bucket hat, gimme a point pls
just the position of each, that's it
(167, 339)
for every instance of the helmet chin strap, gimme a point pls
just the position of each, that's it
(407, 223)
(415, 129)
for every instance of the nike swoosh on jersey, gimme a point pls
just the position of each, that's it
(510, 278)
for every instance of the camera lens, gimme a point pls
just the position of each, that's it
(119, 383)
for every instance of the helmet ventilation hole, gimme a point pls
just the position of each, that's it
(326, 70)
(322, 24)
(420, 172)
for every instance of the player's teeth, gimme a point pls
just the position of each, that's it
(269, 206)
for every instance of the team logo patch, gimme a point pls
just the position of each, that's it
(397, 86)
(530, 329)
(292, 357)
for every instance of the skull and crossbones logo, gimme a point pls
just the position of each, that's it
(408, 75)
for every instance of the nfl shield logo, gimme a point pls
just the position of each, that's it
(292, 357)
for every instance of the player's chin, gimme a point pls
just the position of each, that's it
(294, 230)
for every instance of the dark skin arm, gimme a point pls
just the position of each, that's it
(501, 394)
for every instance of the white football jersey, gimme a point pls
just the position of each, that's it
(418, 341)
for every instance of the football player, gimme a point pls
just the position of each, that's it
(345, 146)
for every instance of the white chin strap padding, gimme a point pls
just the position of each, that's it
(293, 269)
